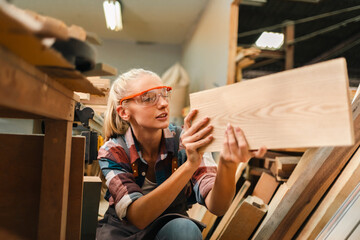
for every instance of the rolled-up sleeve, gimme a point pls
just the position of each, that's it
(204, 178)
(120, 182)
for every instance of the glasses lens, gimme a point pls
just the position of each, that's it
(149, 98)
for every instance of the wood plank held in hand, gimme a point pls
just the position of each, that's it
(321, 168)
(342, 188)
(303, 107)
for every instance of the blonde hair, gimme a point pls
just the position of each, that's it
(113, 123)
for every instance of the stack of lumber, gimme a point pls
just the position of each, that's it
(304, 192)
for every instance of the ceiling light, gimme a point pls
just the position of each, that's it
(270, 40)
(112, 10)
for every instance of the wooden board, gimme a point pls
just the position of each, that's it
(303, 107)
(321, 168)
(342, 188)
(231, 211)
(265, 187)
(244, 220)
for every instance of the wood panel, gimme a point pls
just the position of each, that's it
(303, 107)
(20, 177)
(55, 180)
(73, 225)
(321, 168)
(342, 188)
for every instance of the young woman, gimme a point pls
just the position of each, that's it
(154, 170)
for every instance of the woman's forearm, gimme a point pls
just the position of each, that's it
(220, 197)
(147, 208)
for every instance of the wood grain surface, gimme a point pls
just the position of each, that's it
(303, 107)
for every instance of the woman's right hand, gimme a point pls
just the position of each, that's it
(195, 136)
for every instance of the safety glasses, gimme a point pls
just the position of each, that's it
(150, 97)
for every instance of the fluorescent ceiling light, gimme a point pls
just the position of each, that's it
(112, 10)
(270, 40)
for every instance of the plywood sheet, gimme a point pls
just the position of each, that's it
(303, 107)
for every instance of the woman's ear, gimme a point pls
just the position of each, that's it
(123, 112)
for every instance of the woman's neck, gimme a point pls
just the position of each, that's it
(149, 142)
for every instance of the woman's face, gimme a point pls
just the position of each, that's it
(143, 116)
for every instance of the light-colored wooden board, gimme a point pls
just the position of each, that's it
(321, 168)
(342, 188)
(208, 219)
(303, 107)
(244, 220)
(265, 187)
(231, 211)
(233, 31)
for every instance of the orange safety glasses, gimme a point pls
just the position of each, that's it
(150, 96)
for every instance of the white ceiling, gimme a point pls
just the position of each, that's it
(160, 21)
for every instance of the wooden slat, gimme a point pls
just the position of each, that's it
(342, 188)
(231, 211)
(72, 80)
(73, 225)
(244, 220)
(303, 107)
(265, 187)
(25, 89)
(55, 179)
(233, 31)
(321, 168)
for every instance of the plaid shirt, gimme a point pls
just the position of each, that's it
(124, 176)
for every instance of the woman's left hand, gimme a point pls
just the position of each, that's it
(236, 149)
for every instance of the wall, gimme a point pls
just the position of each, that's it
(126, 55)
(205, 54)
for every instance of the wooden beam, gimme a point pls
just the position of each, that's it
(26, 89)
(303, 107)
(289, 46)
(321, 168)
(55, 180)
(101, 69)
(233, 32)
